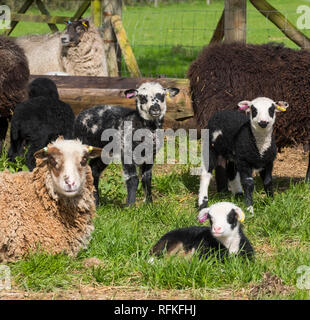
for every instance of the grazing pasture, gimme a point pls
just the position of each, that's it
(115, 264)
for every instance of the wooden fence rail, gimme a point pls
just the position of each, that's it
(84, 92)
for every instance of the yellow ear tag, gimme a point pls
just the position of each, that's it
(168, 94)
(280, 108)
(241, 217)
(45, 149)
(90, 149)
(84, 24)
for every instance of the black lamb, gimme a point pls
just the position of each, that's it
(39, 120)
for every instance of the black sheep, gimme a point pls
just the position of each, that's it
(39, 120)
(149, 115)
(14, 76)
(224, 236)
(224, 73)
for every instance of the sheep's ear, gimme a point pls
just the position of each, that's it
(172, 92)
(94, 152)
(281, 106)
(85, 23)
(203, 215)
(130, 93)
(245, 105)
(240, 214)
(41, 154)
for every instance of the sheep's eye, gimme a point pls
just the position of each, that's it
(84, 161)
(52, 161)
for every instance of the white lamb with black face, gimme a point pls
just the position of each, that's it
(224, 236)
(239, 144)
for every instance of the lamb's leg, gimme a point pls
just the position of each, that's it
(146, 179)
(3, 130)
(132, 181)
(220, 174)
(266, 175)
(248, 186)
(308, 171)
(205, 178)
(97, 166)
(234, 183)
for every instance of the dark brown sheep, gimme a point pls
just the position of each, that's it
(224, 74)
(14, 76)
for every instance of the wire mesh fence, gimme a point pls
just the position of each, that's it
(167, 35)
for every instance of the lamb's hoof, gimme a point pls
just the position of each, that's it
(250, 209)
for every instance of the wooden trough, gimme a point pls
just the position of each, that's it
(85, 92)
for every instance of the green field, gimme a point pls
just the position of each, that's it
(165, 41)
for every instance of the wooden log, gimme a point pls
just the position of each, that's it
(282, 23)
(124, 44)
(235, 20)
(84, 92)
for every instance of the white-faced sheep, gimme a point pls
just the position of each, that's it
(246, 143)
(39, 120)
(224, 236)
(78, 51)
(149, 114)
(51, 207)
(14, 76)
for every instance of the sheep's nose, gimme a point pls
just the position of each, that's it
(217, 229)
(155, 108)
(263, 124)
(69, 183)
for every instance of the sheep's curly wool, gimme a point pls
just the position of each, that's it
(14, 76)
(224, 74)
(37, 217)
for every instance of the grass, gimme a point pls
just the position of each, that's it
(165, 40)
(279, 232)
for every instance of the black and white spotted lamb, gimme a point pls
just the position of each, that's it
(241, 143)
(97, 125)
(39, 120)
(224, 236)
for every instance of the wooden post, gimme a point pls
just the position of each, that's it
(113, 53)
(43, 10)
(235, 20)
(96, 12)
(124, 44)
(282, 23)
(218, 34)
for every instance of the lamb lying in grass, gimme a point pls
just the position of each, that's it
(51, 207)
(225, 236)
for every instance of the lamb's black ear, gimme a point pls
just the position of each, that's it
(130, 93)
(172, 92)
